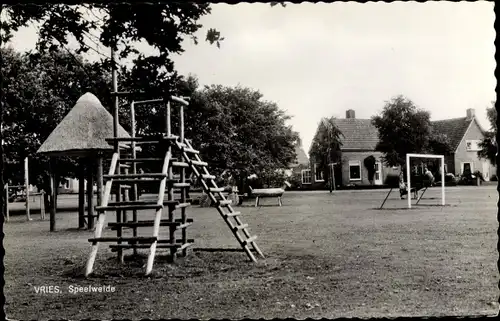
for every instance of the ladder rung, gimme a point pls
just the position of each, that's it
(179, 164)
(115, 247)
(240, 227)
(233, 214)
(135, 176)
(124, 166)
(151, 202)
(147, 223)
(207, 176)
(138, 180)
(128, 207)
(146, 139)
(249, 240)
(122, 186)
(226, 202)
(199, 163)
(124, 239)
(216, 190)
(181, 185)
(139, 160)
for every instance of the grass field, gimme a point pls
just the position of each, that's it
(327, 256)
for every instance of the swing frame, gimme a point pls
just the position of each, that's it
(408, 175)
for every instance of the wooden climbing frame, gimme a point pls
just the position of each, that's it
(178, 156)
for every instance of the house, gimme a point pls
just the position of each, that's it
(359, 140)
(301, 162)
(464, 135)
(361, 137)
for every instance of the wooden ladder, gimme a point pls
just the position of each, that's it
(200, 170)
(166, 182)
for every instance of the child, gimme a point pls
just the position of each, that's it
(403, 188)
(429, 178)
(402, 185)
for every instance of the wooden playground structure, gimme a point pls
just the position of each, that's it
(179, 155)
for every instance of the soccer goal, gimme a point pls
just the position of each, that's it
(408, 173)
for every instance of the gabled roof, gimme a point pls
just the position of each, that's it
(358, 134)
(454, 129)
(83, 130)
(302, 158)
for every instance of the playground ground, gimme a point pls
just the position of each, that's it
(327, 256)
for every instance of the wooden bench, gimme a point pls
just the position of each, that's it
(268, 192)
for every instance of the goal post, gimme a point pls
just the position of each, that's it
(408, 173)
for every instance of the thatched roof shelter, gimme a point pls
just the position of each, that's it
(83, 131)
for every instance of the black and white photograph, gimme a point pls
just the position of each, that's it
(272, 160)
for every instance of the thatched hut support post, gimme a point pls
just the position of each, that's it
(81, 194)
(52, 197)
(90, 195)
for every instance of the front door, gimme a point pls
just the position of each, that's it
(466, 168)
(378, 173)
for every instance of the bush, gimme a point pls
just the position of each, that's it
(470, 178)
(392, 180)
(270, 179)
(295, 180)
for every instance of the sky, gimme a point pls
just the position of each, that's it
(318, 60)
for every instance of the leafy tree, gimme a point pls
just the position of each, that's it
(237, 130)
(325, 147)
(38, 91)
(121, 26)
(403, 129)
(488, 145)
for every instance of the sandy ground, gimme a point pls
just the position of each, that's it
(327, 255)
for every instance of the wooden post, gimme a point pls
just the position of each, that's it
(120, 256)
(7, 215)
(333, 177)
(27, 187)
(52, 197)
(183, 189)
(124, 196)
(42, 205)
(135, 193)
(90, 195)
(81, 194)
(171, 217)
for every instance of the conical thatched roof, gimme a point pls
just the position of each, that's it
(83, 131)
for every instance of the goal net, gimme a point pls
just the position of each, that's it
(409, 157)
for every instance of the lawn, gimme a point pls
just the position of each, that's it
(327, 255)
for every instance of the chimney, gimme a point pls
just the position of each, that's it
(350, 114)
(471, 113)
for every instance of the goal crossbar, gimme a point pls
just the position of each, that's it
(408, 173)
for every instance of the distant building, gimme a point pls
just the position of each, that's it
(361, 137)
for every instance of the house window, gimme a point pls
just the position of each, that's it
(318, 174)
(306, 176)
(472, 145)
(355, 170)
